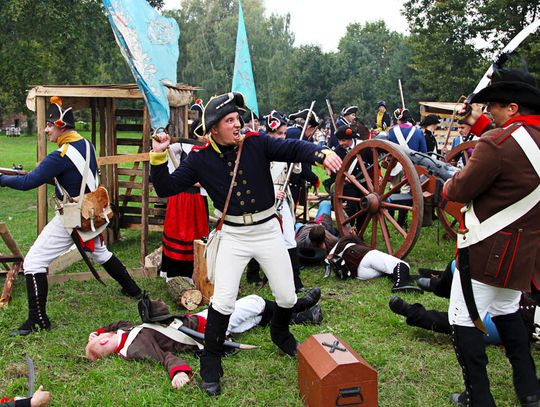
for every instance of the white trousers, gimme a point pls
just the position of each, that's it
(495, 300)
(376, 263)
(287, 223)
(247, 314)
(54, 241)
(239, 244)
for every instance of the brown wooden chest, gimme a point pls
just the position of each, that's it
(330, 373)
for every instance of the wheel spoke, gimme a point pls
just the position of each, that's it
(385, 234)
(364, 225)
(355, 182)
(353, 217)
(365, 172)
(350, 198)
(395, 188)
(394, 223)
(374, 233)
(376, 177)
(389, 168)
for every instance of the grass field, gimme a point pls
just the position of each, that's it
(415, 367)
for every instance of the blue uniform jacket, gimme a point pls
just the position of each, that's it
(253, 191)
(54, 165)
(417, 141)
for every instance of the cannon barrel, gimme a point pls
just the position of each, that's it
(435, 167)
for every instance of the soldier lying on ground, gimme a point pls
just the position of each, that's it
(437, 321)
(133, 341)
(352, 258)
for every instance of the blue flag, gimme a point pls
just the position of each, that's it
(149, 43)
(243, 74)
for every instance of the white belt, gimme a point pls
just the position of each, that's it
(247, 218)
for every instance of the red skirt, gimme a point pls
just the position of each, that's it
(186, 219)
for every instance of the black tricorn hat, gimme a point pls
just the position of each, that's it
(302, 114)
(430, 119)
(381, 103)
(58, 116)
(153, 310)
(274, 120)
(345, 133)
(510, 86)
(349, 110)
(309, 256)
(219, 107)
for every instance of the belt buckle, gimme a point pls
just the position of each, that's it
(248, 218)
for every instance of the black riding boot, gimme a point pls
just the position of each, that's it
(214, 336)
(418, 316)
(515, 338)
(37, 287)
(470, 351)
(311, 315)
(401, 279)
(295, 262)
(279, 331)
(311, 298)
(118, 271)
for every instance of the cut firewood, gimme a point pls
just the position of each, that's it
(184, 293)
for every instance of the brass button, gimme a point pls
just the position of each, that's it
(242, 203)
(248, 192)
(235, 183)
(240, 172)
(221, 156)
(231, 173)
(238, 193)
(244, 182)
(253, 201)
(229, 164)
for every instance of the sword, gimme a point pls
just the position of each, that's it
(231, 344)
(31, 376)
(466, 287)
(75, 238)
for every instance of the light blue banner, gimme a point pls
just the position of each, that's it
(243, 73)
(149, 43)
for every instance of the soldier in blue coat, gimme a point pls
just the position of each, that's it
(251, 228)
(66, 165)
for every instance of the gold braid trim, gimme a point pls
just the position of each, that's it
(320, 156)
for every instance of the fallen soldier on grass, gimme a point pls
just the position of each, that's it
(157, 342)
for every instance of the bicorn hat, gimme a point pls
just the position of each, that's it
(302, 114)
(62, 118)
(349, 110)
(220, 106)
(403, 115)
(198, 107)
(510, 86)
(274, 120)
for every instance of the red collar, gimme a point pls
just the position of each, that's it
(532, 120)
(123, 338)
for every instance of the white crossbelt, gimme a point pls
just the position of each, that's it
(247, 218)
(478, 231)
(170, 331)
(79, 161)
(403, 143)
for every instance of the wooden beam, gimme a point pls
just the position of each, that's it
(85, 276)
(145, 185)
(125, 158)
(42, 202)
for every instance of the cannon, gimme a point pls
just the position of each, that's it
(366, 196)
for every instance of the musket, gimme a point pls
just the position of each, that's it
(230, 344)
(401, 94)
(11, 171)
(331, 111)
(279, 203)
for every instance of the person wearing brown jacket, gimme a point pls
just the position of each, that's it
(498, 243)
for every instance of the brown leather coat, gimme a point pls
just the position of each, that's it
(497, 175)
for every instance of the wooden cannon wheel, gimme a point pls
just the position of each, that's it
(460, 155)
(369, 193)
